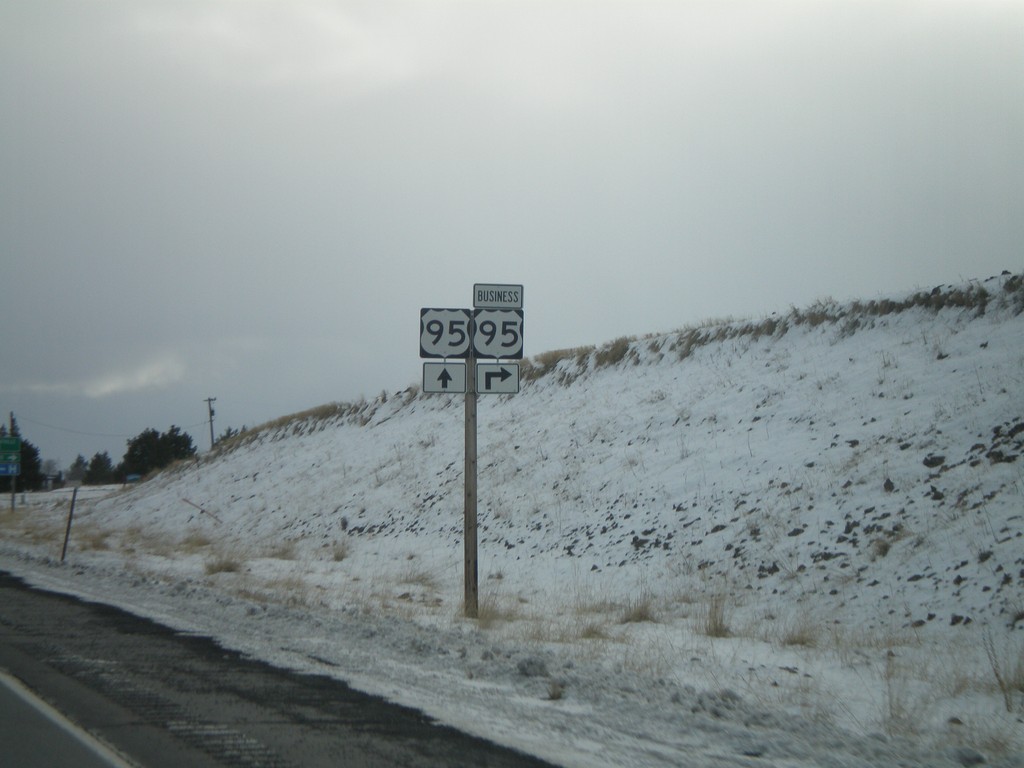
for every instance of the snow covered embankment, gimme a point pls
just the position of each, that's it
(790, 542)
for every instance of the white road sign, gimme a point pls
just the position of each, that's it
(445, 332)
(497, 378)
(441, 378)
(498, 333)
(497, 296)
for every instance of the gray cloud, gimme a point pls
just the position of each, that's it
(266, 193)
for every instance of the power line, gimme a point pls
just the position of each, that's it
(69, 430)
(91, 434)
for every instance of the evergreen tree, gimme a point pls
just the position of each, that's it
(150, 450)
(100, 470)
(78, 469)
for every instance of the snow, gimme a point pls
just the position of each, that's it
(790, 542)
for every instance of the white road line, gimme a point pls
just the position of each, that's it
(85, 738)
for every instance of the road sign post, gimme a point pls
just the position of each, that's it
(492, 330)
(470, 570)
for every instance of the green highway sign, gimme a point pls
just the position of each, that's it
(10, 457)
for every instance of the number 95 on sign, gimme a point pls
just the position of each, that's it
(496, 333)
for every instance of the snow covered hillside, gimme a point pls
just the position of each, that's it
(791, 541)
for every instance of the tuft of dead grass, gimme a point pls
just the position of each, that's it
(419, 576)
(612, 353)
(491, 611)
(1007, 669)
(713, 616)
(341, 550)
(801, 633)
(591, 630)
(283, 550)
(639, 609)
(223, 564)
(90, 538)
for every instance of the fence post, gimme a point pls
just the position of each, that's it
(67, 533)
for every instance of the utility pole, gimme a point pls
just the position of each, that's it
(14, 491)
(209, 404)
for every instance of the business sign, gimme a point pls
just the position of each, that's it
(497, 296)
(497, 378)
(442, 378)
(498, 333)
(445, 332)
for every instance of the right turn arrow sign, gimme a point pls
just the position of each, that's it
(497, 378)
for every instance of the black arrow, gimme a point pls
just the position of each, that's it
(503, 374)
(445, 378)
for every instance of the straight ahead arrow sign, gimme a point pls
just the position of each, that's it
(444, 378)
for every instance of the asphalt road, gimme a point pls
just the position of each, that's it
(34, 734)
(161, 699)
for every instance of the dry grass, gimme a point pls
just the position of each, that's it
(639, 609)
(544, 363)
(223, 564)
(1007, 669)
(802, 632)
(193, 542)
(291, 591)
(27, 528)
(282, 550)
(713, 617)
(90, 538)
(420, 577)
(491, 611)
(612, 353)
(305, 422)
(593, 631)
(341, 550)
(294, 591)
(902, 712)
(135, 539)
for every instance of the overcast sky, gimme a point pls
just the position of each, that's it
(251, 200)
